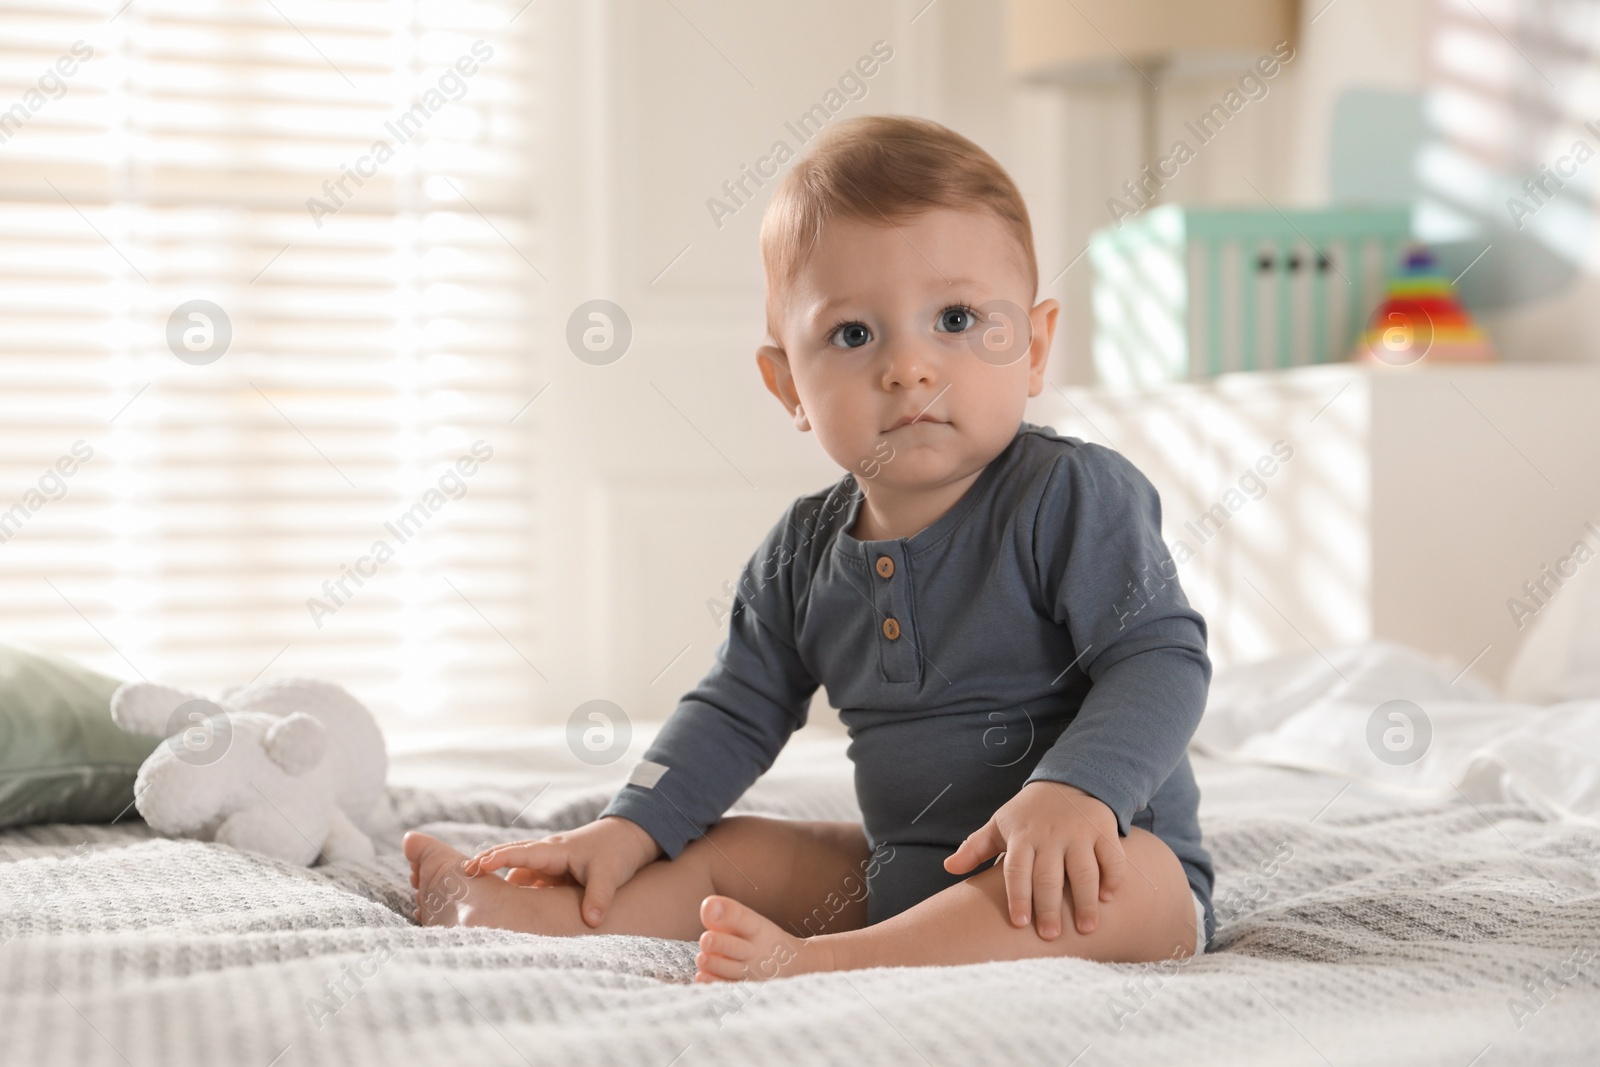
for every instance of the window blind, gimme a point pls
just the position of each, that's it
(343, 490)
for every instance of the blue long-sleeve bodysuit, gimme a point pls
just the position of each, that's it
(1036, 630)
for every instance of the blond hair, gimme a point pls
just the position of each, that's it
(883, 169)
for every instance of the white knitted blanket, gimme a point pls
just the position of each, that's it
(1370, 931)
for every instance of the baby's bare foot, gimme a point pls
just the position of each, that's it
(448, 896)
(741, 945)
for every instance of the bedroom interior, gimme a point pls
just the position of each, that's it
(381, 444)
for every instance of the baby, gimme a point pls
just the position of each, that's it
(988, 603)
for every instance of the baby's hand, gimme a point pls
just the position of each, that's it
(601, 856)
(1048, 828)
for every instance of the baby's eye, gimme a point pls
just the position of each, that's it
(957, 319)
(849, 335)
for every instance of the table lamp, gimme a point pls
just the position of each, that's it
(1082, 43)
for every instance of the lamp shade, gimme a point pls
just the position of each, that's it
(1094, 40)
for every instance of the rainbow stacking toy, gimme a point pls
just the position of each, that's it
(1420, 316)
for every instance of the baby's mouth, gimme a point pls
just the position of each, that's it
(921, 420)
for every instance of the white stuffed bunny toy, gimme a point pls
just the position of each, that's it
(290, 767)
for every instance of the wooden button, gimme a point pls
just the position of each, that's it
(891, 628)
(886, 566)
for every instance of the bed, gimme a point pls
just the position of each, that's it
(1443, 911)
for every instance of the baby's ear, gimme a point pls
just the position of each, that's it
(1043, 321)
(774, 364)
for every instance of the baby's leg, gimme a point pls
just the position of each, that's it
(809, 876)
(1151, 918)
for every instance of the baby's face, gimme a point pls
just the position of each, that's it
(933, 317)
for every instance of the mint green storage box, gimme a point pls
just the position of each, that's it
(1187, 293)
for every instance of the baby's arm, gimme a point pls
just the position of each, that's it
(1113, 586)
(724, 734)
(729, 728)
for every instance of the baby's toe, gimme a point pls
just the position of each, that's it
(729, 946)
(726, 915)
(436, 858)
(413, 845)
(709, 967)
(436, 872)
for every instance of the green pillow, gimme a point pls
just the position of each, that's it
(62, 759)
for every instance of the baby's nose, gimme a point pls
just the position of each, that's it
(910, 364)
